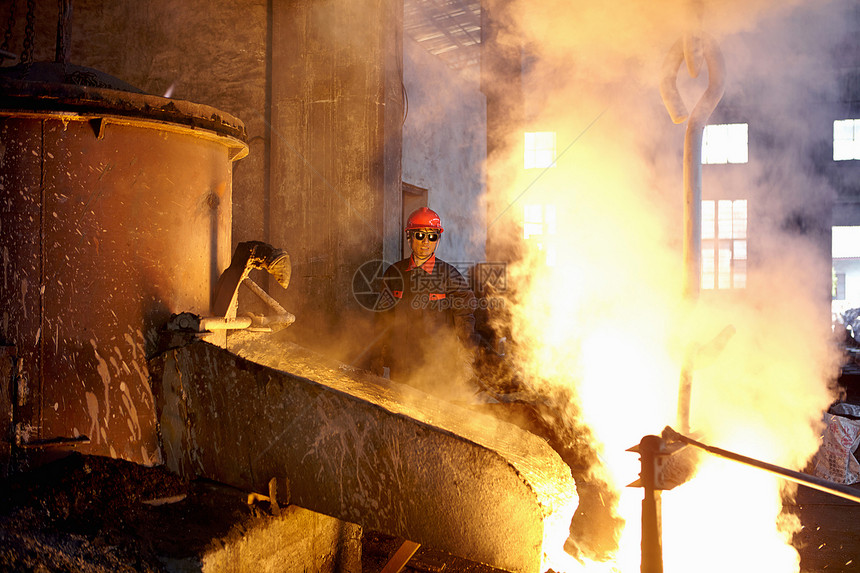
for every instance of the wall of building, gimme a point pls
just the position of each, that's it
(318, 87)
(445, 148)
(190, 50)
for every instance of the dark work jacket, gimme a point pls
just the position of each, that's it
(428, 322)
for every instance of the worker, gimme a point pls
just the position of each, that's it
(427, 315)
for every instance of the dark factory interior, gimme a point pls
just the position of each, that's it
(640, 352)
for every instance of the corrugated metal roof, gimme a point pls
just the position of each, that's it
(450, 29)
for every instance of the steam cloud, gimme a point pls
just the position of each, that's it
(606, 326)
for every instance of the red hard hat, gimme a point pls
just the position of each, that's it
(424, 218)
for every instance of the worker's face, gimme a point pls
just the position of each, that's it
(423, 248)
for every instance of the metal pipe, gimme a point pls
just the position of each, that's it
(697, 357)
(797, 477)
(222, 323)
(54, 443)
(685, 395)
(278, 321)
(693, 165)
(265, 297)
(652, 534)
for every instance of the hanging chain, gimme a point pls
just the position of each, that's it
(30, 32)
(5, 54)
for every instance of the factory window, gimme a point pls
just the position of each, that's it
(846, 139)
(539, 224)
(539, 149)
(725, 143)
(845, 242)
(724, 244)
(838, 287)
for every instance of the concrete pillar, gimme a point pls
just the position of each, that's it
(335, 152)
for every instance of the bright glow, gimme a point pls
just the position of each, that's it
(539, 150)
(753, 532)
(725, 143)
(846, 139)
(604, 336)
(724, 245)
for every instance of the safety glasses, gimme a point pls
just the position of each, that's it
(419, 236)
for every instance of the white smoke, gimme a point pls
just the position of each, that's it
(608, 321)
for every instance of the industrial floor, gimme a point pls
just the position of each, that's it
(828, 543)
(85, 514)
(377, 548)
(830, 539)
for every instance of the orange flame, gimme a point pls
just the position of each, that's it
(607, 326)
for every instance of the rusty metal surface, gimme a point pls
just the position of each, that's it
(19, 97)
(20, 217)
(110, 224)
(7, 395)
(361, 449)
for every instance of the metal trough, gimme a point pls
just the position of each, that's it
(362, 449)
